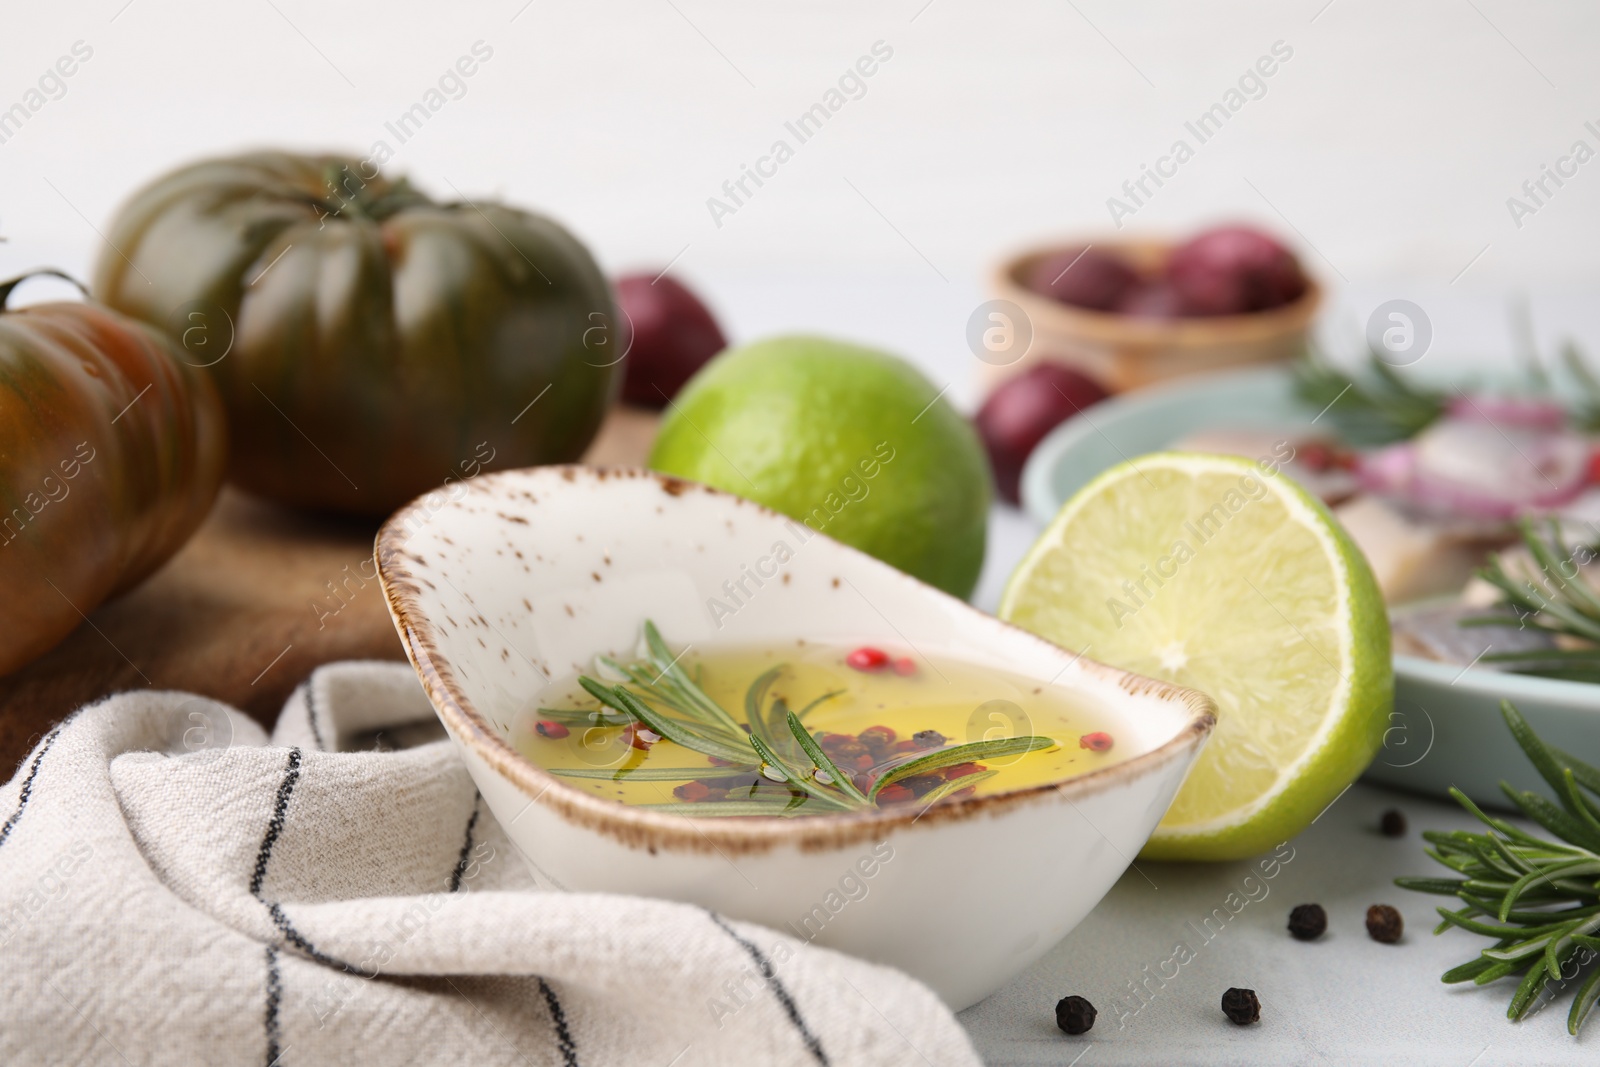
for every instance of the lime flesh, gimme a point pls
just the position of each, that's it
(1218, 573)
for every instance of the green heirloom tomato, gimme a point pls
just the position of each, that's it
(369, 342)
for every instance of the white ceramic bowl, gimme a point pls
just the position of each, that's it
(526, 575)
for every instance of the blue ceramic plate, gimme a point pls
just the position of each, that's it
(1445, 728)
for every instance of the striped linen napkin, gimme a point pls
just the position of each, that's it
(176, 887)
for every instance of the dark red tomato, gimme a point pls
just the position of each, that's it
(673, 335)
(369, 342)
(111, 453)
(1023, 409)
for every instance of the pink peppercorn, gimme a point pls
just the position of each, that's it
(640, 736)
(1098, 741)
(895, 794)
(867, 658)
(877, 736)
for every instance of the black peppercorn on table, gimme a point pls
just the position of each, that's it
(1157, 955)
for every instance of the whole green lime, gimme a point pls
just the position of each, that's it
(851, 441)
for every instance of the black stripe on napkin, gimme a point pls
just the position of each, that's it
(298, 940)
(569, 1048)
(311, 716)
(274, 999)
(280, 810)
(466, 845)
(775, 984)
(27, 785)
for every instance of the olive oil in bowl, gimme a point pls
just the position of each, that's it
(807, 729)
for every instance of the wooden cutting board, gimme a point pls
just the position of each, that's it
(257, 599)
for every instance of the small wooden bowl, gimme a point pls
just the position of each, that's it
(1123, 352)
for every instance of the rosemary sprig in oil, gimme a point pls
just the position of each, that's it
(656, 693)
(1538, 898)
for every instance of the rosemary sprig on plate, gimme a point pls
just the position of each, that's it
(1376, 408)
(1586, 409)
(659, 695)
(1567, 607)
(1538, 898)
(1383, 405)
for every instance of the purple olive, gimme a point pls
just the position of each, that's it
(1234, 270)
(1083, 277)
(1022, 409)
(1153, 299)
(673, 336)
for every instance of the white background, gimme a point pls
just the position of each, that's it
(1385, 149)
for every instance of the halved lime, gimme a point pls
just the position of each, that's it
(1219, 573)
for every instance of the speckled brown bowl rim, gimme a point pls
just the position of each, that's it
(652, 830)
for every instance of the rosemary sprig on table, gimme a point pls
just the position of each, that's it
(1539, 899)
(1549, 601)
(1376, 408)
(660, 696)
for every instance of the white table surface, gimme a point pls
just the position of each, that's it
(1342, 999)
